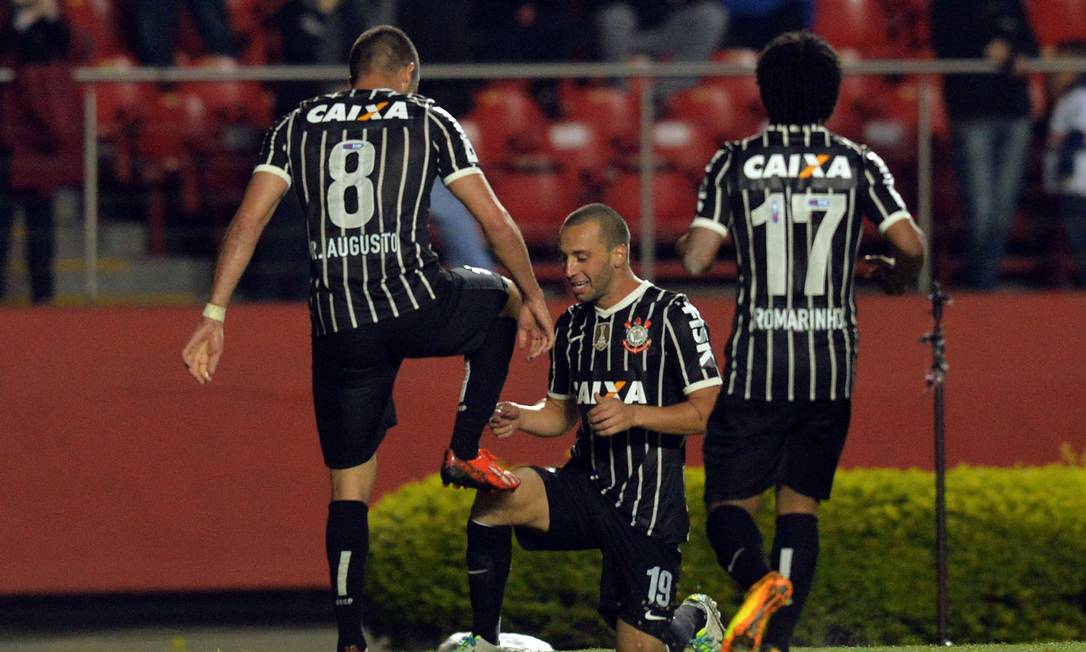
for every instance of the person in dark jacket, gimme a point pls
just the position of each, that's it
(42, 128)
(990, 120)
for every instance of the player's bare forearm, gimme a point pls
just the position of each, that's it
(612, 416)
(550, 417)
(908, 246)
(697, 248)
(262, 195)
(508, 245)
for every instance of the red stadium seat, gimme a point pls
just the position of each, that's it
(859, 24)
(579, 151)
(708, 106)
(231, 101)
(538, 202)
(748, 114)
(674, 196)
(890, 126)
(613, 112)
(1057, 20)
(683, 146)
(163, 146)
(120, 104)
(509, 121)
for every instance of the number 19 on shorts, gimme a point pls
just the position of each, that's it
(659, 587)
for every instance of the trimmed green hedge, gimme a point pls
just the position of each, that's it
(1017, 563)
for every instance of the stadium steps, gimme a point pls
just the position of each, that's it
(126, 274)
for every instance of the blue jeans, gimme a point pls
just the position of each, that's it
(462, 240)
(990, 158)
(1073, 212)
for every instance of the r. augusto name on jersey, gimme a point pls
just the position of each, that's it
(356, 245)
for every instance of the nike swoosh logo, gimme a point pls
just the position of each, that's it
(651, 616)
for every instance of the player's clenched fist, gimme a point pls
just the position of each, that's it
(610, 416)
(505, 420)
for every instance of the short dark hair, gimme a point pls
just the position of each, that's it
(613, 228)
(799, 76)
(383, 48)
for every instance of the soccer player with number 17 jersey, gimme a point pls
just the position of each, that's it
(792, 198)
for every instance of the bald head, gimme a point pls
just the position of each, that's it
(383, 50)
(613, 229)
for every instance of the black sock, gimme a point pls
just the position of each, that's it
(795, 554)
(686, 622)
(485, 370)
(347, 543)
(738, 544)
(490, 553)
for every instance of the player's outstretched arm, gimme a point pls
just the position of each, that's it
(611, 416)
(550, 417)
(535, 326)
(897, 273)
(205, 346)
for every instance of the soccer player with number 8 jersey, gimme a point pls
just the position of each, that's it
(362, 162)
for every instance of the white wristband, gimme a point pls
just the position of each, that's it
(218, 313)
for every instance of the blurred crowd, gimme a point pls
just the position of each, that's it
(185, 149)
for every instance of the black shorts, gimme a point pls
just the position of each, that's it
(640, 574)
(354, 370)
(751, 446)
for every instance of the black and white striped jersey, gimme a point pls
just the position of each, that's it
(792, 197)
(362, 163)
(651, 348)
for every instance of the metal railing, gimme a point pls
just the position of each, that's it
(925, 70)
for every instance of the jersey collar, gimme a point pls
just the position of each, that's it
(814, 126)
(626, 300)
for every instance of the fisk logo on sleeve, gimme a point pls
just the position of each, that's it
(701, 336)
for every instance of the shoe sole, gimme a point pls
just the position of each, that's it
(747, 635)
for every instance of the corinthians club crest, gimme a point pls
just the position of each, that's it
(637, 336)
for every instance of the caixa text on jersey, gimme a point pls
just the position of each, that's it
(356, 245)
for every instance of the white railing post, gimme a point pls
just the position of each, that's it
(923, 174)
(90, 193)
(647, 224)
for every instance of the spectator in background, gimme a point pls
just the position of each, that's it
(42, 126)
(1065, 162)
(754, 23)
(531, 32)
(156, 24)
(320, 33)
(685, 30)
(989, 116)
